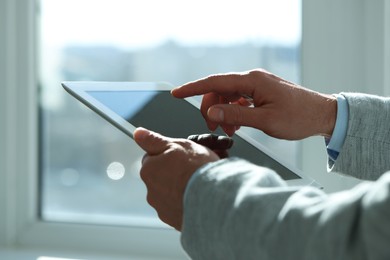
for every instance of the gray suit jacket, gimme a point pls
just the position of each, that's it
(236, 210)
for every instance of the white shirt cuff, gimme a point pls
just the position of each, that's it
(335, 143)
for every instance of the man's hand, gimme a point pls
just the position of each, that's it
(166, 168)
(264, 101)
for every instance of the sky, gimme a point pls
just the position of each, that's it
(133, 24)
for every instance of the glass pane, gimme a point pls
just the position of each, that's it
(89, 168)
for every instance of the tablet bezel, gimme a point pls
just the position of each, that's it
(79, 90)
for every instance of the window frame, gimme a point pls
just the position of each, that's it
(358, 61)
(20, 226)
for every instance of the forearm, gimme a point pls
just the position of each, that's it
(366, 148)
(236, 210)
(216, 219)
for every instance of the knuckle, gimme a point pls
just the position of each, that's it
(234, 116)
(178, 147)
(144, 158)
(145, 174)
(258, 74)
(214, 77)
(255, 73)
(183, 143)
(163, 217)
(150, 199)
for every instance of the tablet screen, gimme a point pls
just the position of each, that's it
(162, 113)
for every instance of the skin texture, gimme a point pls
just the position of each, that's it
(277, 107)
(280, 108)
(166, 168)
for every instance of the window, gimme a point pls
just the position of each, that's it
(122, 40)
(324, 42)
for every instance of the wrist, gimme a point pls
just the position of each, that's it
(329, 105)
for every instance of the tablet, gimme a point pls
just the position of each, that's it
(128, 105)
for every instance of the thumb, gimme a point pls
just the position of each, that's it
(232, 115)
(151, 142)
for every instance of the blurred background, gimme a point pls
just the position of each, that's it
(57, 198)
(122, 40)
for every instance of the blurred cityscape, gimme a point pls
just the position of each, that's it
(175, 63)
(77, 145)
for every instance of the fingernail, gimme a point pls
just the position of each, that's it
(174, 90)
(215, 114)
(140, 133)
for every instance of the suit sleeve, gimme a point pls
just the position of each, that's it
(236, 210)
(366, 149)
